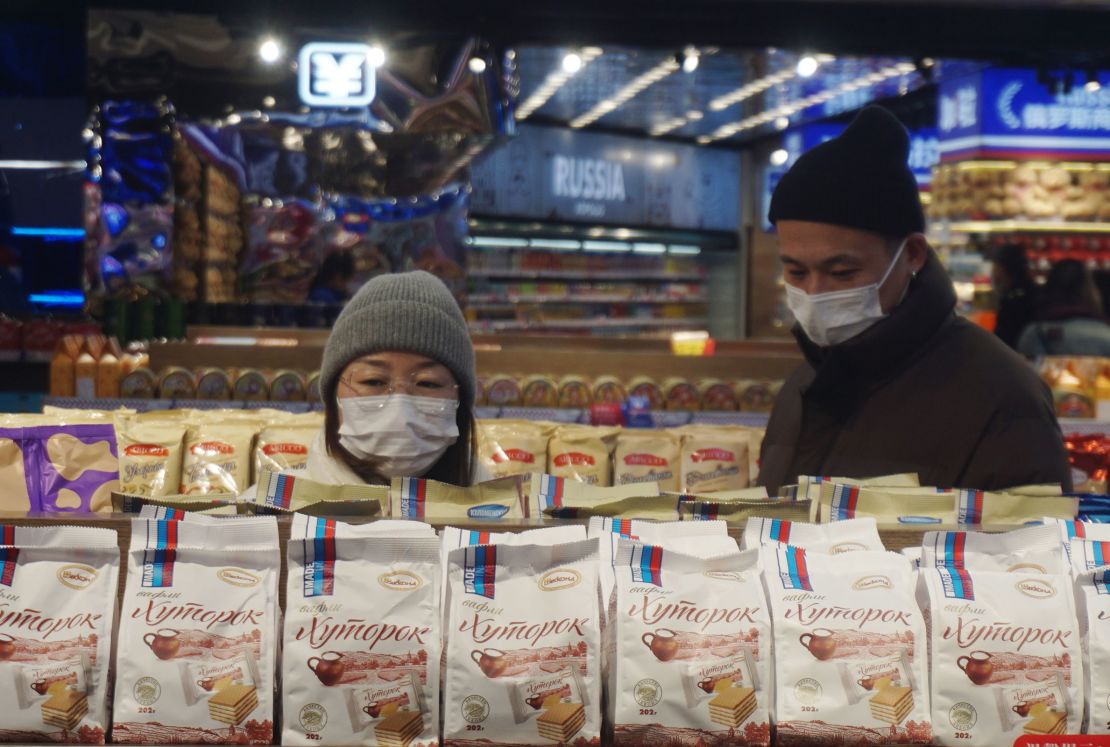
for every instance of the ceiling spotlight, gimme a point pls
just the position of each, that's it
(779, 157)
(689, 59)
(1092, 85)
(268, 101)
(376, 57)
(781, 123)
(572, 63)
(807, 66)
(477, 65)
(269, 50)
(694, 115)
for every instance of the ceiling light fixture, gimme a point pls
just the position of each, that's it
(553, 82)
(807, 66)
(376, 57)
(269, 51)
(477, 65)
(1092, 85)
(779, 157)
(689, 58)
(781, 123)
(572, 62)
(634, 88)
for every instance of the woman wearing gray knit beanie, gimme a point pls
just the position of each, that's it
(398, 384)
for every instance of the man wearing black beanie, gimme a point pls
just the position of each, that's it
(893, 380)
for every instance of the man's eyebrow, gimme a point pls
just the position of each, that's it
(838, 259)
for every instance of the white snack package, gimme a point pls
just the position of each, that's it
(58, 588)
(662, 533)
(1070, 528)
(1088, 554)
(850, 648)
(1032, 549)
(199, 597)
(691, 648)
(517, 616)
(1005, 655)
(1093, 602)
(849, 535)
(361, 656)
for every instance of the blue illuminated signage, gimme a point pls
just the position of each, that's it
(336, 74)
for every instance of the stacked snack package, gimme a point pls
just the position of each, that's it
(218, 456)
(197, 637)
(890, 505)
(562, 497)
(523, 646)
(582, 453)
(850, 648)
(714, 458)
(362, 639)
(980, 507)
(56, 632)
(1033, 549)
(150, 456)
(833, 539)
(283, 448)
(513, 447)
(278, 492)
(1069, 529)
(691, 649)
(648, 456)
(1005, 645)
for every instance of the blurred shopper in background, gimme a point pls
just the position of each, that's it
(332, 282)
(1016, 293)
(1071, 318)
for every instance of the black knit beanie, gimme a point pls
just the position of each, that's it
(859, 180)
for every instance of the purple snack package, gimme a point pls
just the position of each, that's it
(71, 468)
(17, 494)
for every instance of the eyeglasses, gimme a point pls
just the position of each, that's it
(426, 385)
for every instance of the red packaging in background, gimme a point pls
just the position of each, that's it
(1089, 457)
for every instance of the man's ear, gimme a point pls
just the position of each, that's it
(917, 251)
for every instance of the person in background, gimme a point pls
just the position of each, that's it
(332, 282)
(1071, 320)
(398, 381)
(1016, 291)
(893, 380)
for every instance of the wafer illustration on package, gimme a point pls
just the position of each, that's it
(195, 660)
(368, 705)
(533, 696)
(705, 679)
(35, 682)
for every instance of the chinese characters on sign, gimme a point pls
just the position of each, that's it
(335, 74)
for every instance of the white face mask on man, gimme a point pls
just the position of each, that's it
(403, 434)
(835, 317)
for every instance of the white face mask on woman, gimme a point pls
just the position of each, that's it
(403, 434)
(832, 318)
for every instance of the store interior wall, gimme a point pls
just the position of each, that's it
(765, 309)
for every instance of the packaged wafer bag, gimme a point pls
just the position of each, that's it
(1032, 549)
(198, 633)
(691, 659)
(362, 640)
(1006, 659)
(523, 646)
(1093, 601)
(58, 586)
(851, 655)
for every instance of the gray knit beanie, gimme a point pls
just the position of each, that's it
(409, 312)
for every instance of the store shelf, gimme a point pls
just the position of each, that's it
(490, 300)
(1027, 226)
(660, 419)
(649, 323)
(146, 405)
(573, 275)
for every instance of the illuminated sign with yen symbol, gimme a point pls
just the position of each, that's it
(336, 74)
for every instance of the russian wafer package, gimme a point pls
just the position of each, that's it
(714, 458)
(198, 633)
(887, 505)
(218, 456)
(1032, 549)
(150, 456)
(361, 653)
(1088, 554)
(283, 448)
(281, 493)
(1006, 659)
(851, 656)
(58, 586)
(563, 497)
(1093, 602)
(692, 649)
(513, 447)
(417, 498)
(523, 646)
(1069, 529)
(839, 537)
(1001, 509)
(737, 511)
